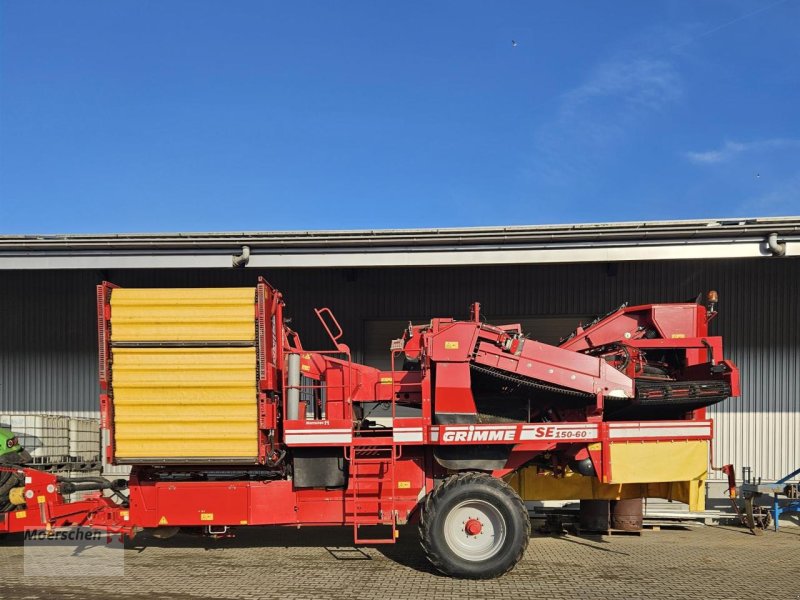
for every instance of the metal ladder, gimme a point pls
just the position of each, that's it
(383, 486)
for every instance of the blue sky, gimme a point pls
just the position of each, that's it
(195, 116)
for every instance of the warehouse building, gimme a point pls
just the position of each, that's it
(549, 278)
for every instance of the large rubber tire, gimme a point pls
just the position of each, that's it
(8, 481)
(451, 510)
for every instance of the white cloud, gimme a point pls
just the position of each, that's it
(615, 98)
(634, 85)
(731, 150)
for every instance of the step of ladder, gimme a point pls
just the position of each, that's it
(383, 496)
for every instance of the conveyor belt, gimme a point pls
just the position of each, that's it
(527, 381)
(653, 399)
(681, 392)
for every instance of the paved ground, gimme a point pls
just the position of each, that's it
(708, 562)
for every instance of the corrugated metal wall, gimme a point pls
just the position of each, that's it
(47, 326)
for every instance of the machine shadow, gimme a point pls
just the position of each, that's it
(244, 537)
(336, 541)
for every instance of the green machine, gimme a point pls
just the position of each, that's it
(11, 454)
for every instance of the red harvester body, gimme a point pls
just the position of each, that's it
(289, 436)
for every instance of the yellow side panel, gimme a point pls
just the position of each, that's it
(185, 403)
(182, 314)
(530, 484)
(671, 470)
(691, 492)
(644, 462)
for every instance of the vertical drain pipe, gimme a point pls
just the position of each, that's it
(775, 246)
(241, 260)
(293, 388)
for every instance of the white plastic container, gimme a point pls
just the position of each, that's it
(43, 436)
(30, 431)
(57, 440)
(84, 439)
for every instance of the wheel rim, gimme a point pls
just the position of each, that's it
(475, 530)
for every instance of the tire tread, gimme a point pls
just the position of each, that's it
(431, 507)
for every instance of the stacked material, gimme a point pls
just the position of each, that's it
(45, 437)
(56, 440)
(84, 439)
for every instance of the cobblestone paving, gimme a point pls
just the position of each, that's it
(706, 562)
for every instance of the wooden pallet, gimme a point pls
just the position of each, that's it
(624, 532)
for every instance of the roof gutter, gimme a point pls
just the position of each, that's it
(323, 241)
(407, 256)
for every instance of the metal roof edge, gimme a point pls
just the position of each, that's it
(631, 231)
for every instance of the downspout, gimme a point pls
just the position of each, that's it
(774, 246)
(241, 260)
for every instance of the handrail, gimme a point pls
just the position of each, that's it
(394, 387)
(334, 338)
